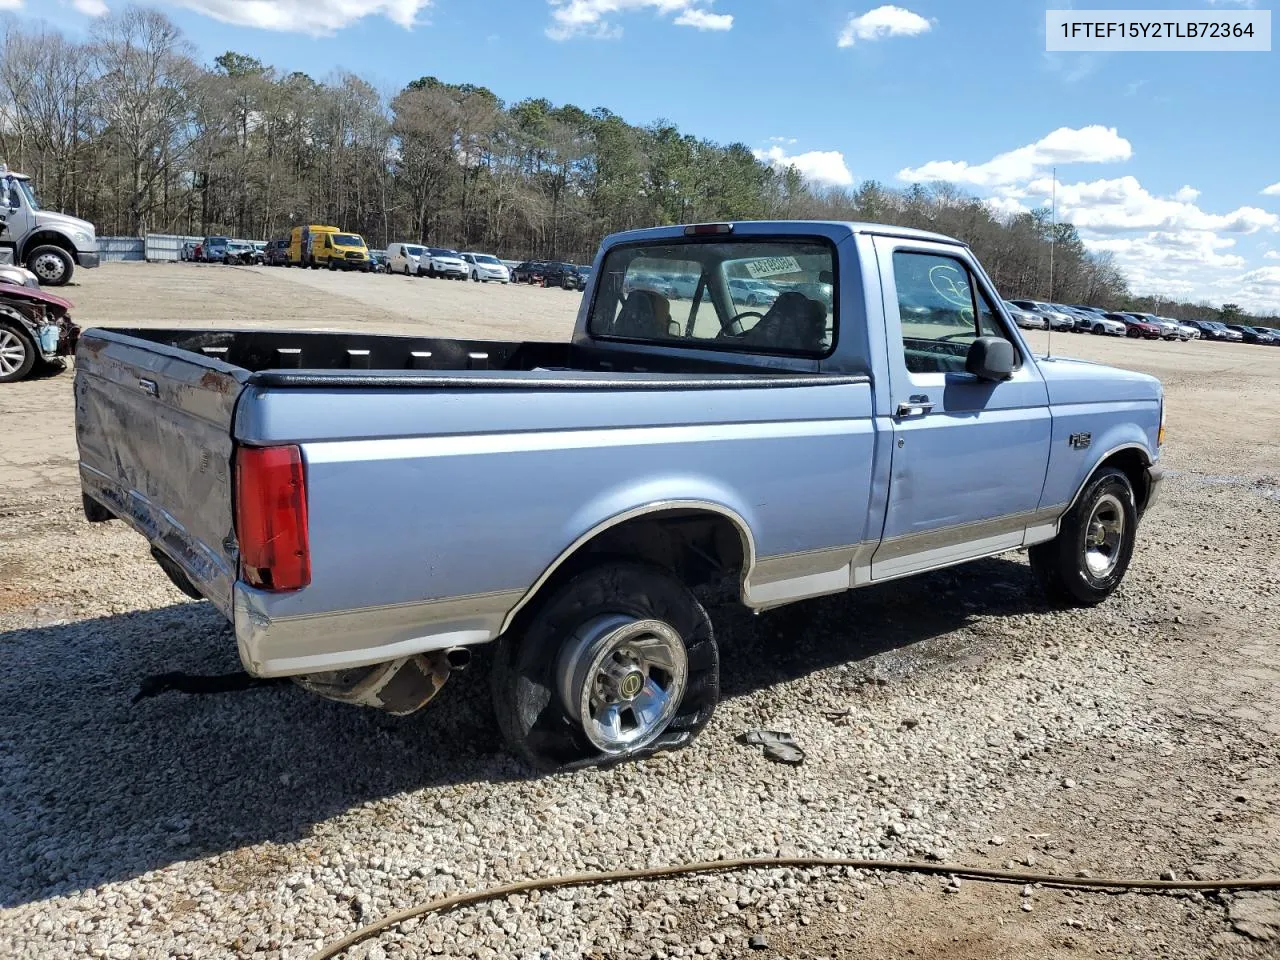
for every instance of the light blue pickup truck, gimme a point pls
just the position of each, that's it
(366, 510)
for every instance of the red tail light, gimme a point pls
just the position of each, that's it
(271, 518)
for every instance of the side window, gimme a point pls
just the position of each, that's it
(942, 311)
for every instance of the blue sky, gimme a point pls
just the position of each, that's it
(1162, 158)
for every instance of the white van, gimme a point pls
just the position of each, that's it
(403, 258)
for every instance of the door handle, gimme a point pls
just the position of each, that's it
(915, 407)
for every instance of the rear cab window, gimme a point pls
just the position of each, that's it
(755, 296)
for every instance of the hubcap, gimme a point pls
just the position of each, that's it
(48, 266)
(622, 680)
(12, 352)
(1103, 536)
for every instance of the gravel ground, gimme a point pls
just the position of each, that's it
(949, 716)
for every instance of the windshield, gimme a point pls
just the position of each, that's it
(29, 192)
(485, 258)
(216, 242)
(722, 295)
(442, 252)
(347, 240)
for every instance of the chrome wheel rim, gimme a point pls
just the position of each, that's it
(12, 353)
(1104, 534)
(48, 266)
(622, 680)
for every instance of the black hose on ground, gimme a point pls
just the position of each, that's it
(985, 874)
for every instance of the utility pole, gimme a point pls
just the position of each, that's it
(1053, 227)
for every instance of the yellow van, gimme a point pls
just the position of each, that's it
(318, 246)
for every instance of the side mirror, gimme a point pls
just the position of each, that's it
(990, 358)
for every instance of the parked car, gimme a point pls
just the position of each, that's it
(292, 496)
(485, 267)
(1027, 319)
(276, 253)
(557, 273)
(530, 271)
(1096, 321)
(36, 329)
(1271, 332)
(1187, 331)
(377, 261)
(443, 262)
(1168, 328)
(1057, 319)
(1214, 330)
(653, 282)
(239, 253)
(404, 258)
(752, 293)
(187, 252)
(214, 249)
(1252, 334)
(1136, 327)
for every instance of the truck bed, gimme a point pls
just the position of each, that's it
(332, 358)
(405, 438)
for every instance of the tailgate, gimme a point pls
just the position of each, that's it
(154, 430)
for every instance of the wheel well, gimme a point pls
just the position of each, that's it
(698, 546)
(47, 238)
(1133, 463)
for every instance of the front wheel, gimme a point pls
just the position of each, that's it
(52, 265)
(618, 663)
(17, 353)
(1087, 560)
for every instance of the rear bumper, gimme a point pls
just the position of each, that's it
(275, 645)
(88, 260)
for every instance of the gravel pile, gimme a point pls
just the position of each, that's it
(267, 822)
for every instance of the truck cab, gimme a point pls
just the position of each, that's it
(51, 245)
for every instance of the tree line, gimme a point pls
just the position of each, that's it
(128, 130)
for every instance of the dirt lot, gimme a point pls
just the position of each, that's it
(951, 715)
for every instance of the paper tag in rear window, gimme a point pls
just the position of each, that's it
(771, 267)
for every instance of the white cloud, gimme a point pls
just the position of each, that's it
(1092, 144)
(314, 17)
(1186, 194)
(90, 8)
(786, 140)
(705, 20)
(590, 18)
(1271, 191)
(886, 21)
(1123, 204)
(10, 4)
(1271, 255)
(824, 167)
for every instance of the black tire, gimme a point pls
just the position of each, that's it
(52, 265)
(1061, 566)
(15, 339)
(475, 277)
(1099, 329)
(534, 721)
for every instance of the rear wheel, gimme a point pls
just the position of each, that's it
(1087, 560)
(618, 663)
(17, 353)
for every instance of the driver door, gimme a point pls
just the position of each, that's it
(969, 456)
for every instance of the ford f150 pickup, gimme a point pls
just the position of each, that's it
(365, 510)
